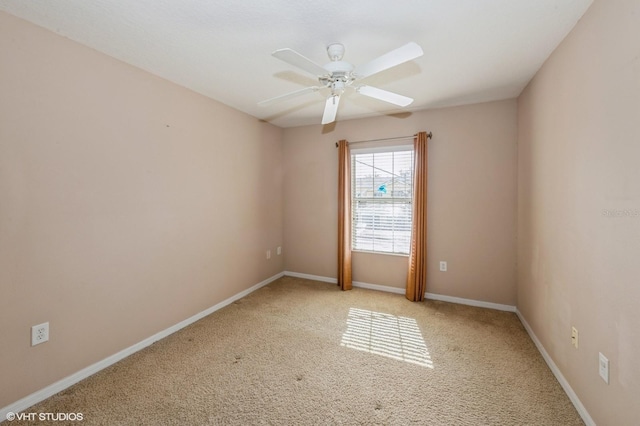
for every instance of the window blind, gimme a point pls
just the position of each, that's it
(382, 191)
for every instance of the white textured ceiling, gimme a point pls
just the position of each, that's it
(475, 50)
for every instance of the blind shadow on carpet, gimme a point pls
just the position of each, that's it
(300, 352)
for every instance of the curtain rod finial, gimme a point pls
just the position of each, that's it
(430, 135)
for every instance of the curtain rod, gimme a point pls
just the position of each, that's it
(429, 136)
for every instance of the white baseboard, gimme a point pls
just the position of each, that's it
(470, 302)
(397, 290)
(586, 418)
(62, 384)
(311, 277)
(368, 286)
(378, 287)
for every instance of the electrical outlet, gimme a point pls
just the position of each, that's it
(574, 337)
(39, 333)
(603, 367)
(268, 254)
(443, 266)
(279, 251)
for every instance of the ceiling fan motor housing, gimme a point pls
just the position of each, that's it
(340, 76)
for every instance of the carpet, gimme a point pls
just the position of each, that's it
(300, 352)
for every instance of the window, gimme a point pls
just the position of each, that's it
(382, 190)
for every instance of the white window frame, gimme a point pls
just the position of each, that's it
(374, 226)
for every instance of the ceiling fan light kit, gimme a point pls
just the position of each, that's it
(338, 75)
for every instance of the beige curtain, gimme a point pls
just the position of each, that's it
(344, 215)
(417, 272)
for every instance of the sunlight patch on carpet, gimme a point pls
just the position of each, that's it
(387, 335)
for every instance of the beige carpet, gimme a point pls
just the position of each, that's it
(300, 352)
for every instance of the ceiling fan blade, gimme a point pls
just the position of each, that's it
(390, 59)
(289, 95)
(383, 95)
(330, 109)
(294, 58)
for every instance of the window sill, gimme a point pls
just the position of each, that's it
(380, 252)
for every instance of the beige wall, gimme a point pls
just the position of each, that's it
(579, 155)
(472, 200)
(127, 204)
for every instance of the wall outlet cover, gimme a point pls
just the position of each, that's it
(603, 367)
(39, 333)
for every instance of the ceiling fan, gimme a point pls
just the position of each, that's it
(338, 75)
